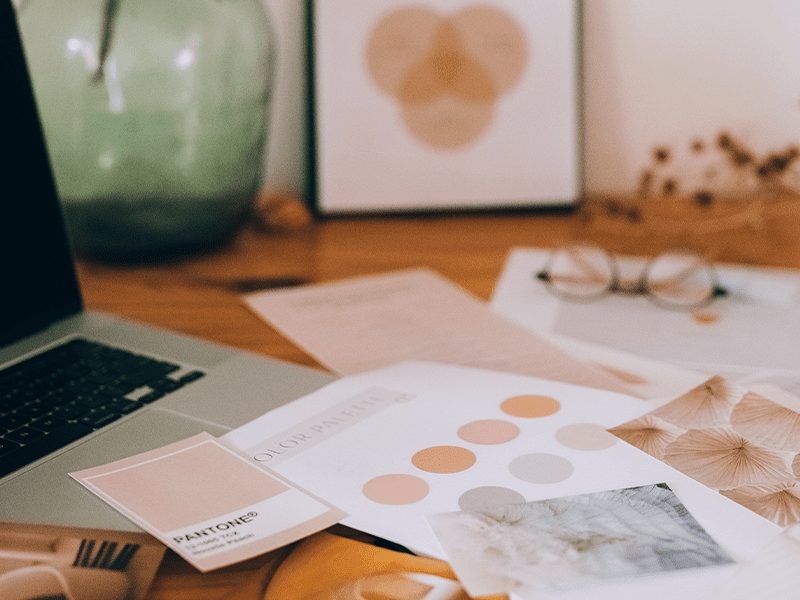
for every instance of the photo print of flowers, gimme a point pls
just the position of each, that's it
(739, 443)
(574, 541)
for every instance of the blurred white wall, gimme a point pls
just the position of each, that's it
(666, 72)
(657, 72)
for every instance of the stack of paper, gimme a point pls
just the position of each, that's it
(524, 459)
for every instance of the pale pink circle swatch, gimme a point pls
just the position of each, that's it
(488, 431)
(541, 468)
(444, 459)
(396, 488)
(585, 436)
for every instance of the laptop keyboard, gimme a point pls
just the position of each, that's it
(65, 393)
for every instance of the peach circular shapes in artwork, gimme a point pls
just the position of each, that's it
(488, 431)
(396, 488)
(530, 406)
(447, 72)
(443, 459)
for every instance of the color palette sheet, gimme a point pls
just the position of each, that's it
(207, 503)
(392, 446)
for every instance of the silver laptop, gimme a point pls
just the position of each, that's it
(77, 388)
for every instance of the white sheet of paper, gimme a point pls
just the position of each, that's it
(757, 326)
(341, 443)
(370, 322)
(774, 574)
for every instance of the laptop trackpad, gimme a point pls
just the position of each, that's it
(47, 494)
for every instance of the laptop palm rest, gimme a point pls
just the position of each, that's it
(47, 491)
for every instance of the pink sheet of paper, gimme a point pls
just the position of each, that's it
(207, 503)
(369, 322)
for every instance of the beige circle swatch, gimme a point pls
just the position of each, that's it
(585, 436)
(443, 459)
(530, 406)
(488, 431)
(396, 488)
(541, 468)
(480, 498)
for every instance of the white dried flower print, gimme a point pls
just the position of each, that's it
(778, 503)
(767, 423)
(648, 433)
(706, 405)
(722, 459)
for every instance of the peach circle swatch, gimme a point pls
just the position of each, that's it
(396, 488)
(585, 436)
(488, 431)
(530, 406)
(443, 459)
(541, 468)
(480, 498)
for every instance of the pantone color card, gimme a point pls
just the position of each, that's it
(396, 445)
(207, 503)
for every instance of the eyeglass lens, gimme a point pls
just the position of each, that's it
(580, 271)
(680, 279)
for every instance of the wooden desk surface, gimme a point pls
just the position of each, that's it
(199, 295)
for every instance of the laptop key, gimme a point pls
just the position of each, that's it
(33, 410)
(12, 421)
(191, 376)
(7, 446)
(105, 420)
(165, 385)
(98, 417)
(92, 400)
(48, 423)
(71, 410)
(23, 435)
(123, 406)
(54, 440)
(151, 396)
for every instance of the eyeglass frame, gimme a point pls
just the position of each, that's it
(639, 286)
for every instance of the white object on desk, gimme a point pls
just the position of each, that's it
(755, 328)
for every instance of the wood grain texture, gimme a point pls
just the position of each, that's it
(200, 295)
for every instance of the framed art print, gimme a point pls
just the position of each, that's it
(425, 105)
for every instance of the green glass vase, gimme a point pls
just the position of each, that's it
(155, 114)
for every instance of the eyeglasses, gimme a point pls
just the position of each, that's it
(679, 279)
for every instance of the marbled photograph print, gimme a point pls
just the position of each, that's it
(574, 541)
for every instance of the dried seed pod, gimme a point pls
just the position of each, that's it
(281, 212)
(648, 433)
(778, 503)
(722, 459)
(767, 423)
(706, 405)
